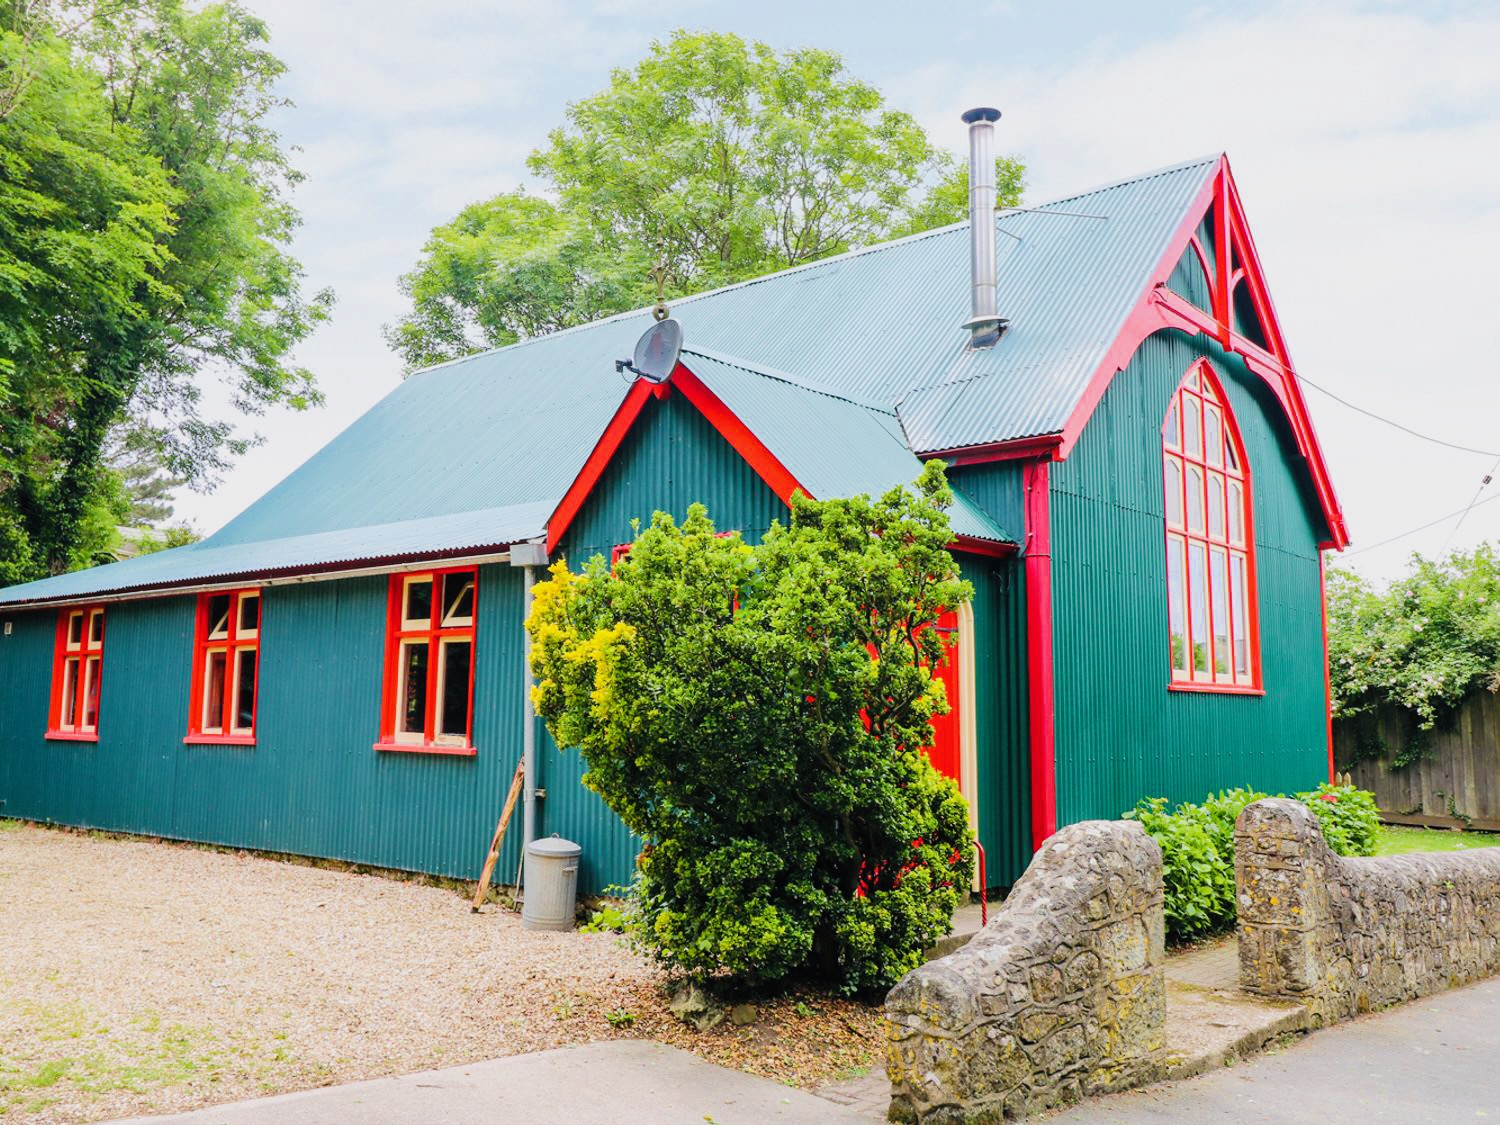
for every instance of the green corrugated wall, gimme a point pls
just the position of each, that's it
(312, 784)
(1121, 735)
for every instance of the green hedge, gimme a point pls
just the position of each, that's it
(1197, 846)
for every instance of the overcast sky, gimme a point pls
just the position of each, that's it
(1365, 138)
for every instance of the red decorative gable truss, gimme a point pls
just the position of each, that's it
(1232, 271)
(728, 425)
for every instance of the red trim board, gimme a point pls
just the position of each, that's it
(1041, 705)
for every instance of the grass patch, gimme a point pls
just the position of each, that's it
(69, 1046)
(1400, 840)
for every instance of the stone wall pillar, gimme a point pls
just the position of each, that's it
(1347, 935)
(1062, 994)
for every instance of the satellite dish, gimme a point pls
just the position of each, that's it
(657, 350)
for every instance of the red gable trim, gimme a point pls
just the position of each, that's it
(729, 426)
(1159, 308)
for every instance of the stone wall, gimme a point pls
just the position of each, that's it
(1347, 935)
(1060, 996)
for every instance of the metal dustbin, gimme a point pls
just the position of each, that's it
(551, 884)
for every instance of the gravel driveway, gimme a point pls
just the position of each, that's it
(139, 976)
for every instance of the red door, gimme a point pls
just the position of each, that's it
(946, 754)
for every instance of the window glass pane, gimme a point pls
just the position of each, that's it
(458, 599)
(1169, 429)
(1176, 605)
(1173, 475)
(69, 716)
(244, 690)
(96, 627)
(213, 691)
(218, 616)
(454, 691)
(1216, 505)
(1198, 606)
(1195, 499)
(249, 615)
(1236, 512)
(418, 611)
(1213, 436)
(1230, 457)
(412, 703)
(91, 693)
(75, 630)
(1241, 617)
(1220, 588)
(1192, 379)
(1192, 430)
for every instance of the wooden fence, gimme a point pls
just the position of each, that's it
(1454, 783)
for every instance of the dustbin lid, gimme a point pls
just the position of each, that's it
(554, 845)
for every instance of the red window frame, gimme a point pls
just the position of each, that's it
(441, 628)
(1210, 542)
(77, 670)
(213, 709)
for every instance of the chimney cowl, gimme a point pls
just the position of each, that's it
(985, 324)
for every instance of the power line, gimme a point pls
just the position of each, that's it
(1441, 519)
(1397, 425)
(1474, 500)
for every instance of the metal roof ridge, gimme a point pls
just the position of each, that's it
(788, 378)
(1181, 166)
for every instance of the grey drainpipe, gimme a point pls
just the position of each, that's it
(527, 556)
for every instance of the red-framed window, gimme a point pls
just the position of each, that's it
(1211, 610)
(428, 703)
(77, 667)
(226, 668)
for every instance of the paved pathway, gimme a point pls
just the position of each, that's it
(1433, 1060)
(626, 1082)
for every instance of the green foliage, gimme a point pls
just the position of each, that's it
(721, 158)
(1349, 817)
(1423, 644)
(611, 919)
(758, 715)
(1197, 845)
(143, 222)
(620, 1018)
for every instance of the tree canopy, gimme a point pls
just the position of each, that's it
(758, 714)
(721, 159)
(1423, 643)
(144, 219)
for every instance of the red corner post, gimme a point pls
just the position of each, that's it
(1039, 651)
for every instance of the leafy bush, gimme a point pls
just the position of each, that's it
(1349, 817)
(757, 714)
(1197, 846)
(1424, 643)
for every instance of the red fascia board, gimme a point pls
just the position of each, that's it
(1159, 308)
(988, 547)
(776, 475)
(598, 460)
(1042, 445)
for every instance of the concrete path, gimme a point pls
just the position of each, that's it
(628, 1082)
(1432, 1060)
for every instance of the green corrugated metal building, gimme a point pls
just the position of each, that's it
(1142, 509)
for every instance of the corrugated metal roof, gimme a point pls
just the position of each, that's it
(882, 326)
(486, 529)
(833, 445)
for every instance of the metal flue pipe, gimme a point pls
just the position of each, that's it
(984, 324)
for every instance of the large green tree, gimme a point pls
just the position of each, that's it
(758, 715)
(721, 159)
(144, 222)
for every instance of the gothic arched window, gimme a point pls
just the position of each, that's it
(1211, 611)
